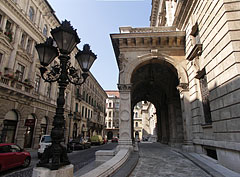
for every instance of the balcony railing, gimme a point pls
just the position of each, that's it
(11, 83)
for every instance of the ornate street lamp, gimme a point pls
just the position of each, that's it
(66, 39)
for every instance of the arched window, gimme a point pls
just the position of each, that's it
(31, 13)
(136, 114)
(9, 127)
(28, 135)
(45, 30)
(136, 124)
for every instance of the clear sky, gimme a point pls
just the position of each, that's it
(95, 20)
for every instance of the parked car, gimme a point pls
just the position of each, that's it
(96, 140)
(115, 140)
(45, 141)
(78, 144)
(11, 155)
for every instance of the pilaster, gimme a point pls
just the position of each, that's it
(125, 140)
(15, 48)
(187, 118)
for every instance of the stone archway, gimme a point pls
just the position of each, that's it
(156, 81)
(165, 84)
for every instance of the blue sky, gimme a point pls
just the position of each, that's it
(95, 20)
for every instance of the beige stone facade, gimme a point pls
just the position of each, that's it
(112, 114)
(27, 103)
(186, 64)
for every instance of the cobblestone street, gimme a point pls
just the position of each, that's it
(156, 160)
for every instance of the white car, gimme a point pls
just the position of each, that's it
(45, 141)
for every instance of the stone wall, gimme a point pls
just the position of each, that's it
(218, 24)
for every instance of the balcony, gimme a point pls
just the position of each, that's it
(11, 85)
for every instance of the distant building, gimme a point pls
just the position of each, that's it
(144, 121)
(112, 114)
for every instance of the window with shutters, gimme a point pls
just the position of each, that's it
(205, 99)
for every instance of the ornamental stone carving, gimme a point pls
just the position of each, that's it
(122, 62)
(124, 115)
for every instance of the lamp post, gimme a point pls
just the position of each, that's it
(66, 39)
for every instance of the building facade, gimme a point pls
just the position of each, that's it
(112, 114)
(27, 103)
(186, 64)
(144, 121)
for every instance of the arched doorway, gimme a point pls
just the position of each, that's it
(109, 135)
(28, 135)
(156, 81)
(9, 127)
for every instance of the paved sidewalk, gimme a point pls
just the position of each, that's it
(156, 160)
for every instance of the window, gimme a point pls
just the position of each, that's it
(82, 111)
(4, 149)
(37, 84)
(136, 124)
(88, 113)
(110, 114)
(15, 148)
(20, 72)
(8, 26)
(23, 40)
(109, 124)
(205, 99)
(76, 107)
(45, 30)
(29, 45)
(136, 114)
(31, 13)
(110, 105)
(85, 112)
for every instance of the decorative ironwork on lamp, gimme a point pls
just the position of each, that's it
(66, 39)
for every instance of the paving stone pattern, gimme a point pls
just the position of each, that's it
(160, 160)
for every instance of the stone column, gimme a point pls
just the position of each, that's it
(187, 117)
(12, 58)
(125, 139)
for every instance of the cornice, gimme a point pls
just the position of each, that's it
(183, 12)
(154, 12)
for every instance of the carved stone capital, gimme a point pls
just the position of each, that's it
(124, 87)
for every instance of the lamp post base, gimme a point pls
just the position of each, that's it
(54, 157)
(65, 171)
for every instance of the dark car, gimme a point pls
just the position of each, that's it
(115, 140)
(78, 144)
(11, 155)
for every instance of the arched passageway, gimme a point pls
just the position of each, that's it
(156, 81)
